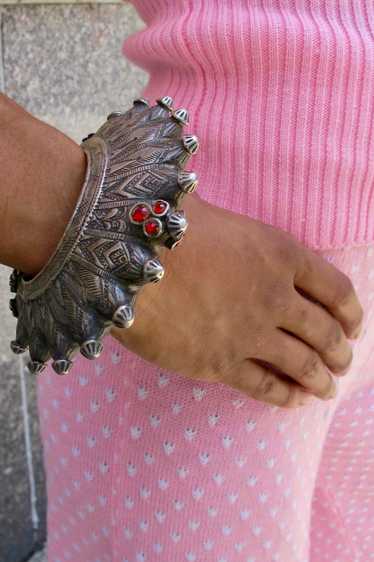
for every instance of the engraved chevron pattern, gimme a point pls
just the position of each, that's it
(136, 159)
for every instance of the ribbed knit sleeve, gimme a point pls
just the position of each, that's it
(281, 95)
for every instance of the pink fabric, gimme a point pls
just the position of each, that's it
(145, 465)
(281, 95)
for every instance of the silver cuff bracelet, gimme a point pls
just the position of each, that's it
(127, 208)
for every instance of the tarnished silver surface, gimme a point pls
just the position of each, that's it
(128, 207)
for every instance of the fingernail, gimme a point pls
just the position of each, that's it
(345, 370)
(357, 331)
(333, 392)
(306, 398)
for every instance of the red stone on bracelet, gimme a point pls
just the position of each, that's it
(140, 213)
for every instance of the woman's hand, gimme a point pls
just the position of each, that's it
(246, 304)
(241, 302)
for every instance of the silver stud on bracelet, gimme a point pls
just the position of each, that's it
(166, 102)
(62, 366)
(91, 349)
(191, 143)
(181, 115)
(129, 206)
(187, 181)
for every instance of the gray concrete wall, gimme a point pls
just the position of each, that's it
(64, 64)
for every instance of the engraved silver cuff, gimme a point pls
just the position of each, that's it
(128, 207)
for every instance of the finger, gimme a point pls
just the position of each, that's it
(314, 325)
(332, 288)
(262, 384)
(300, 362)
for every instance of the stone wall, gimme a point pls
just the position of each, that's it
(63, 63)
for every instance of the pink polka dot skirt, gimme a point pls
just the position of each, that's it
(145, 465)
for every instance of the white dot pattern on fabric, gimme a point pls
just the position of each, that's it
(145, 465)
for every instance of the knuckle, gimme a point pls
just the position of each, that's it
(304, 266)
(358, 320)
(302, 317)
(276, 296)
(334, 338)
(287, 250)
(291, 399)
(266, 384)
(330, 390)
(343, 366)
(344, 291)
(311, 366)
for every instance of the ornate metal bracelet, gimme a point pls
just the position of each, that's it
(127, 208)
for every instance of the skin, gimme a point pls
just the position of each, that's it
(241, 302)
(42, 172)
(244, 303)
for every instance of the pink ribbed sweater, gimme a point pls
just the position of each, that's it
(281, 95)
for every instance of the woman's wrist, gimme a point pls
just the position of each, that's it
(42, 172)
(154, 298)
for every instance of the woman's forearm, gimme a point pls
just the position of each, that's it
(41, 175)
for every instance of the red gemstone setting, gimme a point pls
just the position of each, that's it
(152, 228)
(149, 216)
(160, 207)
(140, 213)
